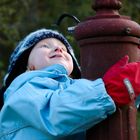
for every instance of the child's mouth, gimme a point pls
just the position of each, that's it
(56, 55)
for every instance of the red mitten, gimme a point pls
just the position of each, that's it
(122, 81)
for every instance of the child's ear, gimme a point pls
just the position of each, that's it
(29, 68)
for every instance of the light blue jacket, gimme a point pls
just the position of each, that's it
(48, 105)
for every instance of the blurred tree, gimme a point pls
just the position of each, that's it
(131, 8)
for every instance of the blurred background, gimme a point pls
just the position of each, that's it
(19, 17)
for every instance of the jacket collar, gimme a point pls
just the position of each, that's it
(57, 69)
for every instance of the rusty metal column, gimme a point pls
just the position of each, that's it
(104, 39)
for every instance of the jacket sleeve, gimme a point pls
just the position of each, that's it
(62, 111)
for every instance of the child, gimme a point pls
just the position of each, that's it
(41, 101)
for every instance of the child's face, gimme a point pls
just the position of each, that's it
(48, 52)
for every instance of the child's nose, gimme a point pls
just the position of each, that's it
(58, 49)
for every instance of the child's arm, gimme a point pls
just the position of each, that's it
(61, 112)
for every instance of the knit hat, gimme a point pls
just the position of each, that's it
(19, 57)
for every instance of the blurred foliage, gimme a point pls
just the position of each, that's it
(131, 8)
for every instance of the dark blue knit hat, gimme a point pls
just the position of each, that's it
(27, 44)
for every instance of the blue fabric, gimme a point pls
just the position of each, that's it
(48, 105)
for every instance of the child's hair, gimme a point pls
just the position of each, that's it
(19, 57)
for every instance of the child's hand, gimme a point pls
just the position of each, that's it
(122, 81)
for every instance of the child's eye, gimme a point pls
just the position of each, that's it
(64, 49)
(45, 46)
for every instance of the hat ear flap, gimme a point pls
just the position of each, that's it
(76, 73)
(19, 67)
(2, 90)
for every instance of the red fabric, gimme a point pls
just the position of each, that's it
(114, 80)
